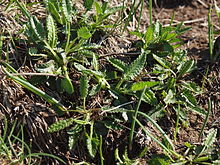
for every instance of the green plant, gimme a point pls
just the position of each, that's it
(13, 148)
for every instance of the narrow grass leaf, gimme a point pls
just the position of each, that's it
(120, 65)
(135, 68)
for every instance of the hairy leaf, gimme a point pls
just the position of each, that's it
(48, 67)
(61, 124)
(135, 68)
(51, 31)
(67, 9)
(92, 145)
(74, 134)
(120, 65)
(84, 85)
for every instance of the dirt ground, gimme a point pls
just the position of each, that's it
(17, 102)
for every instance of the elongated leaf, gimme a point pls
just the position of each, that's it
(55, 12)
(95, 62)
(37, 28)
(150, 97)
(95, 89)
(51, 31)
(67, 9)
(135, 68)
(92, 145)
(81, 68)
(120, 65)
(185, 68)
(198, 110)
(140, 85)
(84, 85)
(98, 8)
(74, 135)
(189, 98)
(210, 138)
(60, 125)
(162, 62)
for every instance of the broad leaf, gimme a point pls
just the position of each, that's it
(149, 35)
(189, 98)
(67, 85)
(92, 145)
(140, 85)
(88, 4)
(170, 97)
(84, 33)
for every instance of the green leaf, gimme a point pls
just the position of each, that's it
(162, 62)
(191, 86)
(81, 68)
(74, 135)
(185, 68)
(98, 8)
(51, 31)
(95, 62)
(149, 35)
(48, 67)
(120, 65)
(170, 98)
(54, 11)
(67, 85)
(60, 125)
(135, 68)
(210, 138)
(84, 33)
(92, 145)
(84, 85)
(150, 97)
(140, 85)
(88, 4)
(36, 28)
(67, 9)
(189, 98)
(198, 110)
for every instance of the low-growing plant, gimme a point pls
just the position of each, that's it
(13, 148)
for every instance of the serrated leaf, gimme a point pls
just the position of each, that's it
(189, 98)
(81, 68)
(135, 68)
(51, 31)
(84, 33)
(142, 84)
(48, 67)
(92, 145)
(191, 86)
(185, 68)
(98, 8)
(74, 134)
(36, 29)
(88, 4)
(67, 9)
(149, 35)
(84, 85)
(210, 138)
(54, 11)
(67, 85)
(59, 125)
(120, 65)
(95, 63)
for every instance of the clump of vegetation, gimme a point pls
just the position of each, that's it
(152, 85)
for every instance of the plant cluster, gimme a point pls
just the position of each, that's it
(153, 85)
